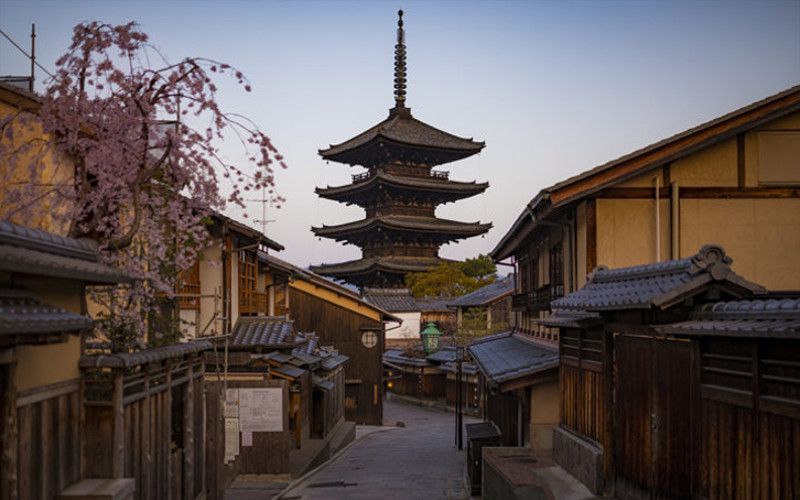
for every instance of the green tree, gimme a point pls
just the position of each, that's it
(452, 279)
(481, 268)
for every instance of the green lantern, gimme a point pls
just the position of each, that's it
(430, 337)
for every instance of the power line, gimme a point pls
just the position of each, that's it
(26, 54)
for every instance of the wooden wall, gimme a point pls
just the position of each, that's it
(343, 329)
(469, 391)
(48, 440)
(749, 432)
(503, 410)
(583, 392)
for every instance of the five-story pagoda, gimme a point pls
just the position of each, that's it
(399, 192)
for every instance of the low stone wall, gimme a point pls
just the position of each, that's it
(579, 457)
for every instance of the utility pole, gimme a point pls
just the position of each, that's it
(264, 201)
(33, 56)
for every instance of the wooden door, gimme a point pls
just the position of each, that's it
(652, 407)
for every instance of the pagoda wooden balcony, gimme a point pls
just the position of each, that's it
(362, 176)
(440, 175)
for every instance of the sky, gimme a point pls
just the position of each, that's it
(553, 88)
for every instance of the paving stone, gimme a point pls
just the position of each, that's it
(416, 461)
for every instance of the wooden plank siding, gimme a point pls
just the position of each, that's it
(750, 439)
(343, 329)
(48, 444)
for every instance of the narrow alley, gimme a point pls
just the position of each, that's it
(419, 460)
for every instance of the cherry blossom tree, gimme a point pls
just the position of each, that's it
(144, 137)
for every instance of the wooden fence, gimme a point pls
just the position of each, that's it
(146, 412)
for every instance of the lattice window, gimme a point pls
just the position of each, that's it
(557, 271)
(189, 287)
(248, 266)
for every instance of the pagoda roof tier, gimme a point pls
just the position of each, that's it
(370, 265)
(443, 230)
(444, 189)
(403, 138)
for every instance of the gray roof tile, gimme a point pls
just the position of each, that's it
(486, 295)
(642, 287)
(772, 318)
(262, 331)
(398, 356)
(127, 360)
(391, 299)
(22, 314)
(40, 253)
(563, 318)
(507, 356)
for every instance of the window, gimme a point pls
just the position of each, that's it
(247, 283)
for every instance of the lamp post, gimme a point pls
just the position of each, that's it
(430, 337)
(459, 396)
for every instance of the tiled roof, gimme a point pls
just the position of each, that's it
(486, 295)
(321, 383)
(288, 370)
(40, 253)
(331, 362)
(443, 355)
(22, 314)
(448, 230)
(398, 136)
(467, 367)
(396, 264)
(659, 285)
(398, 356)
(127, 360)
(562, 318)
(435, 304)
(391, 299)
(507, 356)
(773, 318)
(447, 189)
(262, 331)
(317, 279)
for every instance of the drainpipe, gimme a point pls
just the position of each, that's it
(658, 219)
(675, 222)
(225, 308)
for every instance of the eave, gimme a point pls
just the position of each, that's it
(448, 230)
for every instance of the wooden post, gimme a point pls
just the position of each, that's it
(200, 468)
(166, 441)
(147, 456)
(118, 433)
(188, 435)
(8, 457)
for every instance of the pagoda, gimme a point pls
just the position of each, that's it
(399, 192)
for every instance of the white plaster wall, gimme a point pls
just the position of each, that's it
(409, 327)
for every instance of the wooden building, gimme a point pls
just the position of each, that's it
(485, 310)
(399, 192)
(414, 373)
(734, 180)
(227, 281)
(704, 384)
(42, 327)
(265, 354)
(401, 304)
(520, 388)
(341, 318)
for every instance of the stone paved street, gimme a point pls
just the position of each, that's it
(419, 460)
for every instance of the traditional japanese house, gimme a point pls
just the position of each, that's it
(734, 180)
(520, 388)
(486, 310)
(398, 301)
(266, 354)
(414, 373)
(705, 415)
(434, 309)
(42, 325)
(399, 192)
(342, 319)
(226, 281)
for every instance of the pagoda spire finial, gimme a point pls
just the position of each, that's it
(400, 64)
